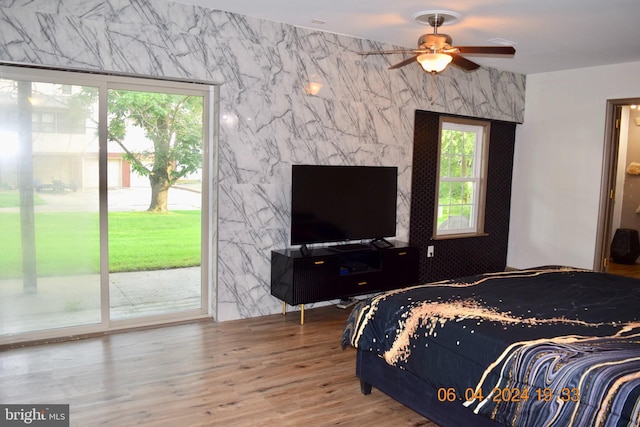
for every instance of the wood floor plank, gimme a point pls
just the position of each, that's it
(262, 371)
(628, 270)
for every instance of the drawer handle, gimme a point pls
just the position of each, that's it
(362, 283)
(318, 262)
(401, 253)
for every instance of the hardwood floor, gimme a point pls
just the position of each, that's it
(628, 270)
(267, 371)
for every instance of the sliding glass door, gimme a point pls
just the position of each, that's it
(102, 188)
(155, 197)
(49, 271)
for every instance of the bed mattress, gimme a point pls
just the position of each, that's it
(544, 346)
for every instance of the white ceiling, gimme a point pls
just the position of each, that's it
(551, 35)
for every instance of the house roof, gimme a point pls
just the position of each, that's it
(551, 35)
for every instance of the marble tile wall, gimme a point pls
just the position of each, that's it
(362, 114)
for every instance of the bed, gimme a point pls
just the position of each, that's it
(551, 345)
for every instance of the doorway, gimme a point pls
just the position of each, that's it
(105, 213)
(619, 205)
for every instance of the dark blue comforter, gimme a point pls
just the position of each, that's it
(545, 346)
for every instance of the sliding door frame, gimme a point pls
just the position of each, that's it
(104, 82)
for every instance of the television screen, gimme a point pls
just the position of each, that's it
(338, 203)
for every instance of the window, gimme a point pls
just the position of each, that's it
(462, 164)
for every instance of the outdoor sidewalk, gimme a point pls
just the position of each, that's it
(75, 300)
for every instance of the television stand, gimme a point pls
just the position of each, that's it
(327, 274)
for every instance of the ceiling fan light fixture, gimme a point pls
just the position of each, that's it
(434, 62)
(435, 50)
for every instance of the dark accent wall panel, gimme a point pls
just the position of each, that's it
(464, 256)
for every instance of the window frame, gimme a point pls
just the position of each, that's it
(482, 129)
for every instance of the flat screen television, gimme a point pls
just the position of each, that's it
(341, 203)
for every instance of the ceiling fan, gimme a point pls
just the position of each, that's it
(435, 51)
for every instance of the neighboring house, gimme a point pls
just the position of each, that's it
(65, 144)
(363, 114)
(64, 141)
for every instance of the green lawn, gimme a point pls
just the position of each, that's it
(146, 241)
(68, 243)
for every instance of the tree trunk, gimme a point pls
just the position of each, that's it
(159, 193)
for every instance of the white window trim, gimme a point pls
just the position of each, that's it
(482, 130)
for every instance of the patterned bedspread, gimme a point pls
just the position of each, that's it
(546, 346)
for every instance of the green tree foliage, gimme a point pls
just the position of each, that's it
(456, 164)
(173, 123)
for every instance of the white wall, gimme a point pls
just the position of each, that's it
(558, 164)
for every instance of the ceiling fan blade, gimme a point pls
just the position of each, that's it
(463, 62)
(487, 50)
(403, 63)
(388, 52)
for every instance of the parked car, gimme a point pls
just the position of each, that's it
(56, 186)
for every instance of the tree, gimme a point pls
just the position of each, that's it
(173, 123)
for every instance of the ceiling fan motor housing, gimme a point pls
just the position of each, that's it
(434, 42)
